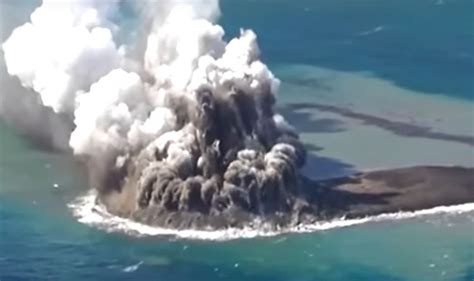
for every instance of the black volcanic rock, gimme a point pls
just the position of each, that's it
(371, 193)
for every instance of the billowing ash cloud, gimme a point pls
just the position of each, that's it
(189, 126)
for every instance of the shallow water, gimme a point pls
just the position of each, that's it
(404, 60)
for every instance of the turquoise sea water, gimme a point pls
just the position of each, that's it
(379, 57)
(40, 240)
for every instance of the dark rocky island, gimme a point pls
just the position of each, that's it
(232, 161)
(360, 195)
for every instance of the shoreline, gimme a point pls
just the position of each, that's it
(353, 197)
(88, 212)
(392, 190)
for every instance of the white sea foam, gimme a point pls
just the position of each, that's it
(132, 268)
(90, 212)
(372, 31)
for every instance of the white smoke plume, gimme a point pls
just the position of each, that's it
(64, 49)
(188, 126)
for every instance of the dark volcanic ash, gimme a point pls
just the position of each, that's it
(184, 136)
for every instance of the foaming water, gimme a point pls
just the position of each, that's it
(89, 211)
(372, 31)
(132, 268)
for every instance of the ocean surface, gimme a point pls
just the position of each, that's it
(405, 61)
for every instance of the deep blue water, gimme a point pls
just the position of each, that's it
(424, 45)
(421, 46)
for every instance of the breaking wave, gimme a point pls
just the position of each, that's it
(88, 210)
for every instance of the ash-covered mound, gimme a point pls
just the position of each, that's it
(229, 163)
(175, 123)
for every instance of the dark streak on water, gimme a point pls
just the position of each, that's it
(397, 127)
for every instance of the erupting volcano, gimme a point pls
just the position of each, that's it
(187, 126)
(177, 124)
